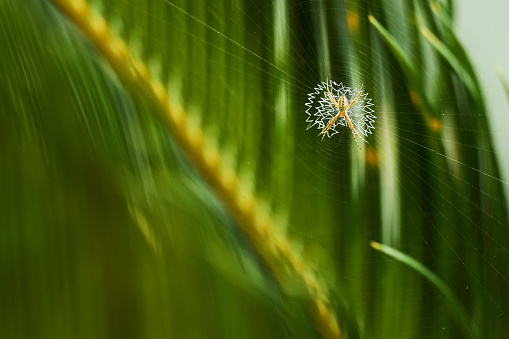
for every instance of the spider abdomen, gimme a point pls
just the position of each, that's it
(342, 103)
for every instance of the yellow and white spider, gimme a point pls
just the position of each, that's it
(343, 106)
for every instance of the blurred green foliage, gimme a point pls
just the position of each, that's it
(107, 231)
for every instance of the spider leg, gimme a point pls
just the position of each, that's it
(353, 130)
(334, 102)
(355, 99)
(330, 95)
(324, 131)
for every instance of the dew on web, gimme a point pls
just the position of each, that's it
(321, 110)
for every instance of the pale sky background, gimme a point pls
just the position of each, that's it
(483, 27)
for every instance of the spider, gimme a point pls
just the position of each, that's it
(343, 106)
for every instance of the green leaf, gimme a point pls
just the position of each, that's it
(504, 82)
(452, 40)
(397, 50)
(453, 61)
(464, 321)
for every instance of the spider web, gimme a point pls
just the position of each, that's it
(402, 190)
(321, 109)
